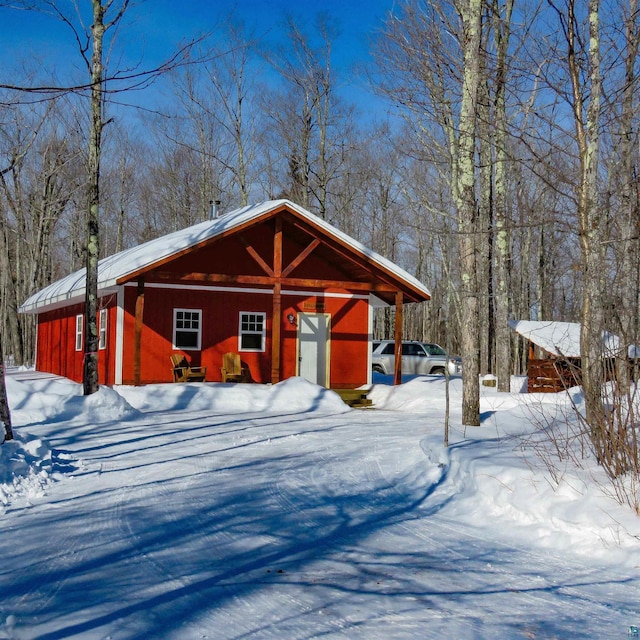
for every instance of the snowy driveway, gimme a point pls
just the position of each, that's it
(195, 524)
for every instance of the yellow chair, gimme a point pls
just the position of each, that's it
(184, 372)
(232, 369)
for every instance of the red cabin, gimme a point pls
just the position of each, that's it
(284, 289)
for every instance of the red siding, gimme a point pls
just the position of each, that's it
(229, 256)
(220, 313)
(107, 356)
(57, 344)
(349, 339)
(349, 342)
(220, 319)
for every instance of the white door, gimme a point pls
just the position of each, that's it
(313, 347)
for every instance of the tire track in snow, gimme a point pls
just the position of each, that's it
(536, 593)
(277, 493)
(312, 491)
(235, 564)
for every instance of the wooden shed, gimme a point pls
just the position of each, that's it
(554, 362)
(278, 285)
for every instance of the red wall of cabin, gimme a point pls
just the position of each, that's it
(220, 314)
(220, 319)
(107, 356)
(56, 347)
(56, 343)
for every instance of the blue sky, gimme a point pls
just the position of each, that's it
(154, 28)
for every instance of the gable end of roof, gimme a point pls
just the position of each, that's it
(128, 264)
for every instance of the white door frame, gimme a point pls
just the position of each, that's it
(324, 350)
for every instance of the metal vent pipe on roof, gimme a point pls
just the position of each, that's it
(213, 213)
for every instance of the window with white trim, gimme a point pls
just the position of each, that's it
(79, 328)
(102, 329)
(252, 332)
(187, 329)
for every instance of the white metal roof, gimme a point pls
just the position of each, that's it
(115, 268)
(561, 338)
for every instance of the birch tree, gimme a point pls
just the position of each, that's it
(90, 46)
(607, 420)
(429, 58)
(105, 16)
(586, 119)
(464, 189)
(95, 64)
(501, 238)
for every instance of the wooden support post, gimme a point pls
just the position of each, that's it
(397, 373)
(276, 317)
(276, 324)
(137, 332)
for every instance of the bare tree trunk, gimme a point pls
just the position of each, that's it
(502, 240)
(92, 249)
(465, 198)
(485, 223)
(629, 246)
(5, 414)
(590, 218)
(13, 337)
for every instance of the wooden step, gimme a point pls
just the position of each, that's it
(356, 398)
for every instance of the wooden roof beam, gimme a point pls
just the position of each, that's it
(256, 256)
(221, 278)
(300, 258)
(339, 247)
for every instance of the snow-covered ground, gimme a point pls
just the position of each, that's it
(247, 511)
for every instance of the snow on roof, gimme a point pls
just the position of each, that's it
(111, 270)
(561, 338)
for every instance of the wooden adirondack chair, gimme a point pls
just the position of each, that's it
(232, 369)
(184, 372)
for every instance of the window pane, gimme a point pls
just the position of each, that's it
(252, 331)
(79, 327)
(186, 339)
(435, 350)
(102, 336)
(251, 341)
(187, 320)
(186, 331)
(251, 322)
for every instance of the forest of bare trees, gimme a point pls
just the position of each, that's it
(499, 164)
